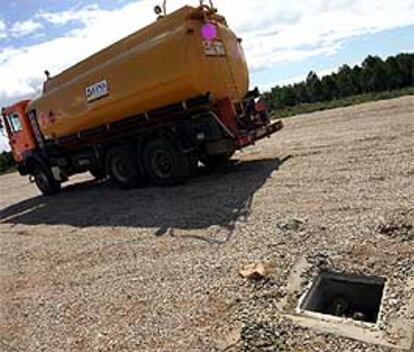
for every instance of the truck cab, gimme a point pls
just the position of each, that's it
(19, 129)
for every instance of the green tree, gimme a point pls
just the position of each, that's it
(374, 75)
(357, 79)
(394, 73)
(302, 94)
(345, 82)
(378, 80)
(288, 96)
(369, 65)
(330, 89)
(406, 64)
(314, 87)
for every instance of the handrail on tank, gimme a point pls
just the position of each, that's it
(210, 1)
(164, 5)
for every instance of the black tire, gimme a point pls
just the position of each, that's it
(99, 173)
(212, 161)
(164, 164)
(45, 181)
(122, 168)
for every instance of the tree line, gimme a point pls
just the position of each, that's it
(373, 75)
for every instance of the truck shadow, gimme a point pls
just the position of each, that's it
(220, 198)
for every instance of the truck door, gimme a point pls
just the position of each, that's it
(19, 132)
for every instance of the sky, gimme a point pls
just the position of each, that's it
(283, 40)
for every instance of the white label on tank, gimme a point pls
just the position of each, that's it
(215, 48)
(97, 91)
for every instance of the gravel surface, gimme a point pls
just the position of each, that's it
(97, 269)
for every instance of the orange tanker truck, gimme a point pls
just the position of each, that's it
(150, 106)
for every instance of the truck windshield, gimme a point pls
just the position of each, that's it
(14, 122)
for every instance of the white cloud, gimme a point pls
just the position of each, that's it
(273, 31)
(23, 68)
(2, 29)
(86, 13)
(20, 29)
(319, 27)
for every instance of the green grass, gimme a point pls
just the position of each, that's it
(334, 104)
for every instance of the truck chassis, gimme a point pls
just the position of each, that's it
(162, 145)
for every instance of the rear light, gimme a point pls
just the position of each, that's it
(209, 31)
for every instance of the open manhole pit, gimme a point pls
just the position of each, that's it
(345, 296)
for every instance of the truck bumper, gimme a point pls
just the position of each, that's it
(255, 135)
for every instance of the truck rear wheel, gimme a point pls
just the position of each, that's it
(45, 181)
(122, 168)
(164, 164)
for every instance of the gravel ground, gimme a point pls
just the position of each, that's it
(96, 269)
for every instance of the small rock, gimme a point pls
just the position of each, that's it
(359, 316)
(291, 225)
(255, 271)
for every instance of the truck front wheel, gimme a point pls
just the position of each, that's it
(45, 181)
(164, 164)
(122, 168)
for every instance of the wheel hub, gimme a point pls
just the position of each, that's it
(120, 169)
(163, 164)
(42, 180)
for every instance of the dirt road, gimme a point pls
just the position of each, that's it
(97, 269)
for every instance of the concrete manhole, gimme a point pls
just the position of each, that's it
(346, 296)
(353, 306)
